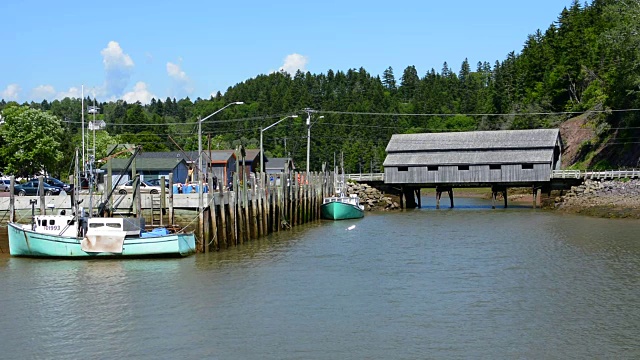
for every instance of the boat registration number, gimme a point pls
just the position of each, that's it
(52, 227)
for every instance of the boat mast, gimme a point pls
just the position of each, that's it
(82, 105)
(76, 192)
(342, 173)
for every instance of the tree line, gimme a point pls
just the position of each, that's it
(587, 60)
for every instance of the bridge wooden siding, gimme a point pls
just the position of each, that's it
(473, 158)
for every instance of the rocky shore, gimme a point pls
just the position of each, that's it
(372, 198)
(608, 199)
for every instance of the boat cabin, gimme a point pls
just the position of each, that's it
(62, 225)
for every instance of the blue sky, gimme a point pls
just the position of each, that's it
(135, 50)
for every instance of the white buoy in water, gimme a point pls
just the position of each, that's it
(351, 227)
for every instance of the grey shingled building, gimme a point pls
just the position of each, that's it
(478, 158)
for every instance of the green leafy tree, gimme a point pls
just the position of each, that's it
(31, 141)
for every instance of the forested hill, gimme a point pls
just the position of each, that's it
(586, 61)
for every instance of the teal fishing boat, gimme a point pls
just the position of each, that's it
(83, 235)
(342, 208)
(57, 236)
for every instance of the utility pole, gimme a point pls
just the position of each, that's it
(308, 138)
(309, 111)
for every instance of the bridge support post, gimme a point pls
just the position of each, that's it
(495, 189)
(419, 198)
(439, 191)
(504, 195)
(494, 195)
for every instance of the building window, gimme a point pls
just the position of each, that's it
(495, 167)
(432, 168)
(527, 166)
(463, 167)
(403, 168)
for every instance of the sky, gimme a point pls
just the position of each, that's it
(136, 50)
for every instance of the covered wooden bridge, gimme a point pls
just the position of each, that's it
(495, 159)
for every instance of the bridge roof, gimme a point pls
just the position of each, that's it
(474, 140)
(469, 157)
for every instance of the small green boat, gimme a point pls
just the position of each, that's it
(342, 208)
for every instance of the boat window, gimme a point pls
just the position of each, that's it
(96, 225)
(70, 222)
(52, 222)
(43, 222)
(114, 225)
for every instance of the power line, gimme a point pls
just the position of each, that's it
(473, 114)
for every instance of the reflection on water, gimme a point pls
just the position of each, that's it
(468, 282)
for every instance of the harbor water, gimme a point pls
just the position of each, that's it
(468, 282)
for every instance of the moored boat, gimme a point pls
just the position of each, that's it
(82, 235)
(342, 208)
(57, 236)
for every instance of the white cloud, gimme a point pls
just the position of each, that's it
(73, 92)
(11, 92)
(294, 62)
(43, 92)
(117, 67)
(139, 93)
(182, 83)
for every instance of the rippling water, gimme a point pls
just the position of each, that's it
(464, 283)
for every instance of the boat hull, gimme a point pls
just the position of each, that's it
(340, 211)
(24, 242)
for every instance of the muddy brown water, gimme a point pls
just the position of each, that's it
(468, 282)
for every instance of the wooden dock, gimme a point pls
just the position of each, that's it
(220, 218)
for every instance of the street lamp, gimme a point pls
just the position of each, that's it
(265, 129)
(200, 133)
(309, 137)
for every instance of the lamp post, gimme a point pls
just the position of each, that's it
(200, 133)
(265, 129)
(309, 136)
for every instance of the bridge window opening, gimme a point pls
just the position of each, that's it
(463, 167)
(432, 168)
(495, 167)
(527, 166)
(403, 168)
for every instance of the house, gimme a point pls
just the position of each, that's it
(279, 165)
(222, 164)
(252, 160)
(478, 158)
(150, 168)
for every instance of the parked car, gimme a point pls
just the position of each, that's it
(31, 188)
(57, 183)
(156, 182)
(5, 184)
(145, 187)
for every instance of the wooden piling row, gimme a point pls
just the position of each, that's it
(255, 208)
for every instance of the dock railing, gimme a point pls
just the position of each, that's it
(598, 175)
(365, 177)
